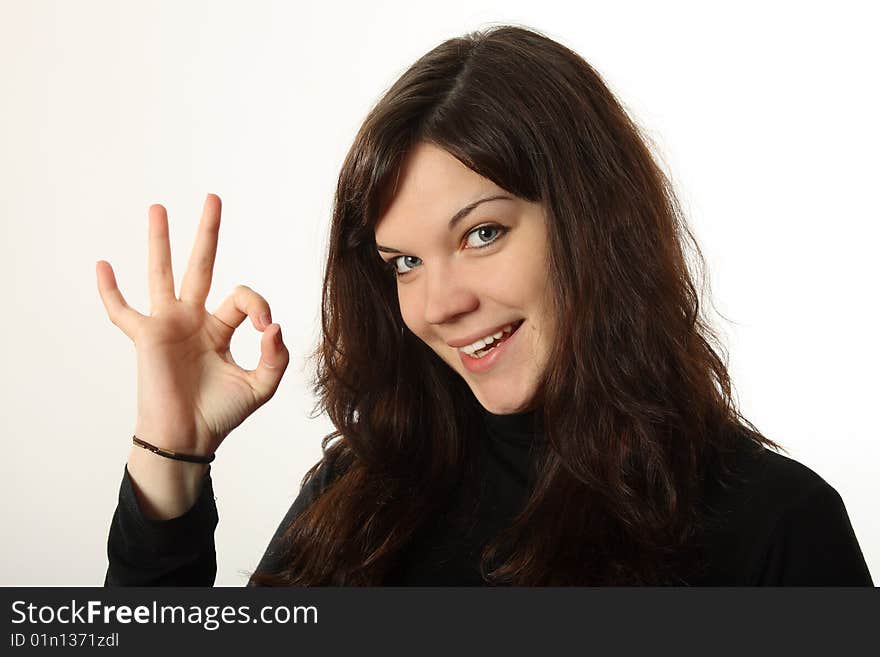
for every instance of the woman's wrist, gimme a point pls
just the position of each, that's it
(165, 488)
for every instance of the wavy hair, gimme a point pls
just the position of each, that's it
(636, 403)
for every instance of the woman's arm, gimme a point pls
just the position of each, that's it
(813, 544)
(143, 551)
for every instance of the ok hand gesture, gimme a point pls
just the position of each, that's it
(191, 394)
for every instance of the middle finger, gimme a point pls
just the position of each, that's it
(197, 279)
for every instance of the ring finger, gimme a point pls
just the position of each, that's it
(160, 278)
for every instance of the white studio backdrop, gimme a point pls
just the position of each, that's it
(765, 114)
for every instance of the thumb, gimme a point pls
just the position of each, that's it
(274, 358)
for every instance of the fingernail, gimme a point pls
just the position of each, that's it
(278, 336)
(266, 319)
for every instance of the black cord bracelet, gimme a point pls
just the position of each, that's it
(167, 453)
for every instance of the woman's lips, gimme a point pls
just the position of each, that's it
(479, 365)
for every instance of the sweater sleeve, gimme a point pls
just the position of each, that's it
(813, 544)
(143, 551)
(273, 557)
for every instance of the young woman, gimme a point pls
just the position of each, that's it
(523, 388)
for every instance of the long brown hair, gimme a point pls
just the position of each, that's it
(636, 403)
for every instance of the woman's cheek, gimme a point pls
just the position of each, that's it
(410, 313)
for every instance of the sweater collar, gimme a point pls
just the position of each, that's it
(516, 428)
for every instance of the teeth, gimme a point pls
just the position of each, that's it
(474, 347)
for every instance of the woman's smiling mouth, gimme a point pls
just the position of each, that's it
(481, 354)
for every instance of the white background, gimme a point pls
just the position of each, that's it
(765, 113)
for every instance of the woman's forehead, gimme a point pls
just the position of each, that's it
(432, 184)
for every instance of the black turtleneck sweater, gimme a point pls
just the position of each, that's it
(784, 525)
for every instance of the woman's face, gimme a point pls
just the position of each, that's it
(469, 268)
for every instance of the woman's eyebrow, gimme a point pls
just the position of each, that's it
(458, 216)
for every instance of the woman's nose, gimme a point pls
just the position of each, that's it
(447, 296)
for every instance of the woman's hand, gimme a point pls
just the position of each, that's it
(191, 393)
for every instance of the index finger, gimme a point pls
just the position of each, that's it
(197, 279)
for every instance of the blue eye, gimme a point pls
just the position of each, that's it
(409, 263)
(484, 235)
(480, 237)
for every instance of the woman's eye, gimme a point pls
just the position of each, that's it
(404, 264)
(483, 236)
(479, 237)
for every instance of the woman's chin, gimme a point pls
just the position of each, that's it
(505, 405)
